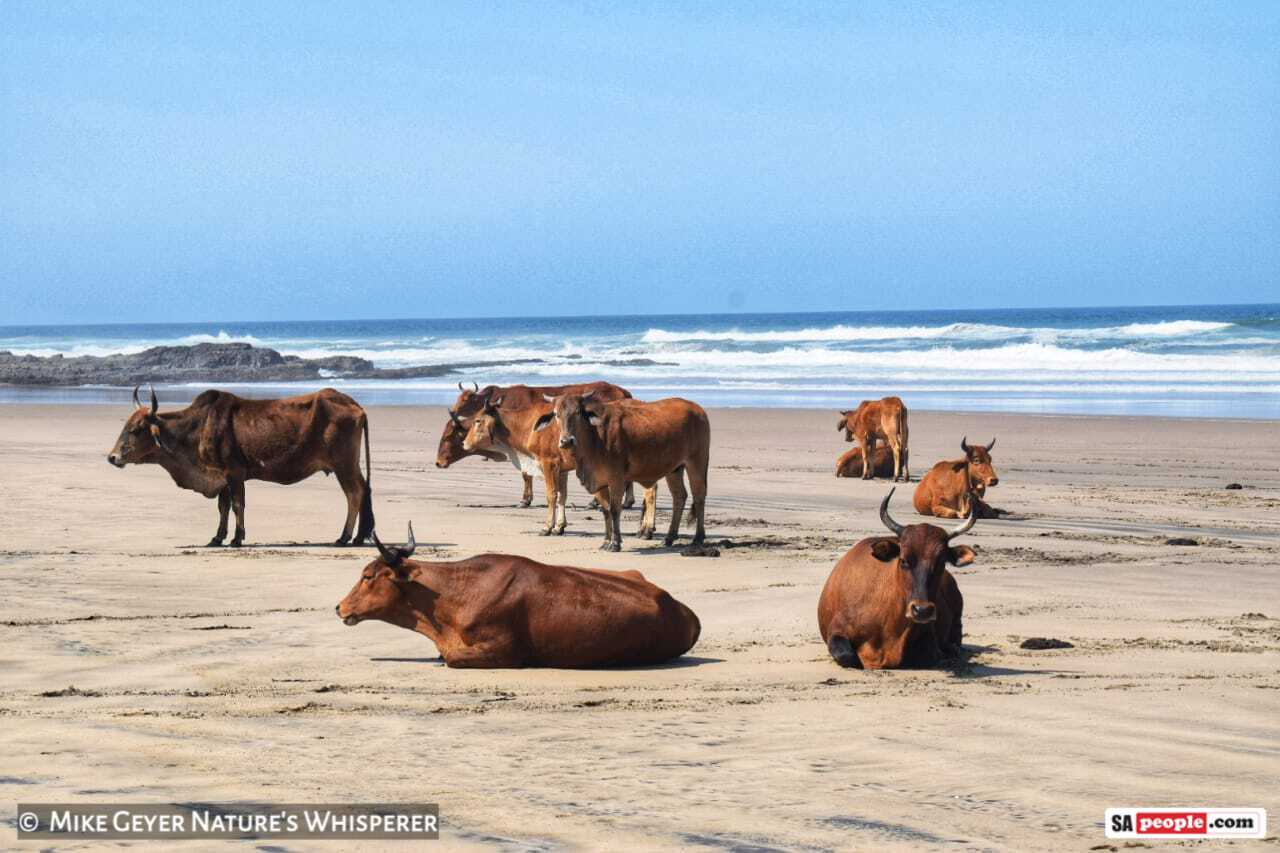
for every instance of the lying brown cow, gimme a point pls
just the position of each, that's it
(221, 441)
(471, 402)
(890, 601)
(624, 441)
(879, 420)
(950, 486)
(850, 464)
(496, 610)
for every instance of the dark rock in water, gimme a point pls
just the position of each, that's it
(1234, 486)
(208, 362)
(1181, 540)
(1042, 643)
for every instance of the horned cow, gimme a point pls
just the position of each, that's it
(890, 601)
(497, 610)
(879, 420)
(953, 484)
(221, 441)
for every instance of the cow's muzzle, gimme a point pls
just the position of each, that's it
(348, 620)
(994, 481)
(115, 460)
(922, 612)
(566, 441)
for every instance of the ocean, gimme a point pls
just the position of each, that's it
(1189, 361)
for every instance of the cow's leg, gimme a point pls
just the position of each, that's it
(602, 501)
(615, 510)
(526, 497)
(868, 443)
(649, 517)
(562, 497)
(675, 483)
(698, 485)
(224, 508)
(237, 506)
(550, 477)
(629, 499)
(896, 447)
(485, 653)
(941, 510)
(353, 487)
(906, 464)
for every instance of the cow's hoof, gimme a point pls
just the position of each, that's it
(615, 547)
(215, 542)
(360, 540)
(546, 531)
(342, 540)
(236, 543)
(560, 530)
(526, 504)
(644, 534)
(668, 541)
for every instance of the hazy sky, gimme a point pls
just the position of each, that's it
(256, 161)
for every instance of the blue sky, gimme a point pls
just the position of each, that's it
(269, 161)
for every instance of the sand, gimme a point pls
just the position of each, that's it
(219, 675)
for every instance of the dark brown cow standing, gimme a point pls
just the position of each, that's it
(497, 610)
(890, 601)
(221, 441)
(471, 402)
(624, 441)
(879, 420)
(950, 486)
(850, 463)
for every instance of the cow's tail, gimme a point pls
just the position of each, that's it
(366, 507)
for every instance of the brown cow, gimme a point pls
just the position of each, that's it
(629, 441)
(221, 441)
(471, 402)
(850, 464)
(873, 420)
(496, 610)
(890, 601)
(950, 486)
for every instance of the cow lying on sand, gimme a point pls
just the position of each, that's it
(623, 441)
(952, 485)
(850, 464)
(890, 601)
(221, 441)
(472, 401)
(879, 420)
(499, 428)
(497, 610)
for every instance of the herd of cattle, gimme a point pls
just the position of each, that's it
(889, 601)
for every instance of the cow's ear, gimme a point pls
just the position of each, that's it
(961, 555)
(885, 550)
(162, 438)
(593, 418)
(541, 423)
(400, 573)
(961, 465)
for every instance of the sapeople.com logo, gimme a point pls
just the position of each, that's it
(1186, 823)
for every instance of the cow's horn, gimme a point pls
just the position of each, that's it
(136, 402)
(155, 404)
(964, 444)
(969, 522)
(888, 519)
(453, 416)
(992, 444)
(390, 557)
(409, 546)
(460, 388)
(475, 386)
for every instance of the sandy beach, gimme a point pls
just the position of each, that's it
(219, 675)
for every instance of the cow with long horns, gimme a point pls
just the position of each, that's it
(221, 441)
(498, 610)
(890, 601)
(472, 401)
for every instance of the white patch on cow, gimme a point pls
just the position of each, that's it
(522, 462)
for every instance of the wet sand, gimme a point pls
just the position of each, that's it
(219, 675)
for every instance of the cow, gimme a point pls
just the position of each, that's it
(953, 484)
(499, 611)
(623, 441)
(874, 420)
(890, 601)
(472, 401)
(850, 464)
(221, 441)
